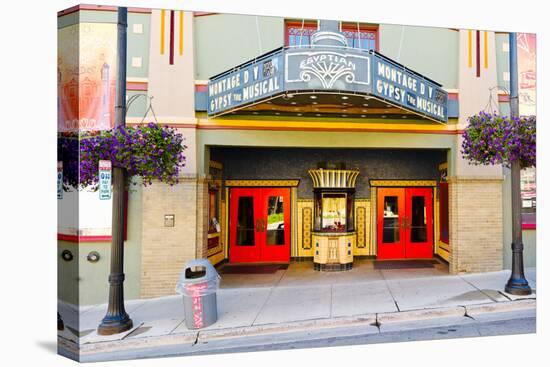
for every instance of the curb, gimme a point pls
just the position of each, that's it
(511, 306)
(317, 324)
(421, 314)
(374, 320)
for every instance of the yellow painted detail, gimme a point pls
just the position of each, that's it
(399, 183)
(443, 251)
(181, 32)
(469, 48)
(253, 183)
(485, 51)
(330, 125)
(162, 15)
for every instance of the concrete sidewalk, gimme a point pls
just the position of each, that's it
(299, 298)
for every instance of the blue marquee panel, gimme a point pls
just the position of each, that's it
(320, 69)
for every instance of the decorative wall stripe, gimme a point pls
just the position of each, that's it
(469, 48)
(478, 58)
(485, 50)
(162, 15)
(140, 86)
(306, 228)
(361, 221)
(171, 37)
(181, 33)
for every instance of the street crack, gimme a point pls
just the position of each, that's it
(196, 339)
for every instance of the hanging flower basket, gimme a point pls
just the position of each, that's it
(150, 151)
(493, 139)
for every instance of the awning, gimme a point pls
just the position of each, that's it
(323, 81)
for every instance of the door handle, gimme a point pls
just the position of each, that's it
(259, 225)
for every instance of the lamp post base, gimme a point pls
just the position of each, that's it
(60, 323)
(518, 287)
(114, 325)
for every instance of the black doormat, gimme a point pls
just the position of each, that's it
(252, 269)
(403, 264)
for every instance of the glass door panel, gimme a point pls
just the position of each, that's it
(391, 228)
(245, 221)
(275, 230)
(418, 228)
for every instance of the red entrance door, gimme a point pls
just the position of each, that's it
(259, 225)
(405, 223)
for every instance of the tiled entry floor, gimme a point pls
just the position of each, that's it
(302, 273)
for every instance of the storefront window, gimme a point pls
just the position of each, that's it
(360, 37)
(213, 221)
(528, 198)
(299, 35)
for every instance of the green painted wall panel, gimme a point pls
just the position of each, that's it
(432, 52)
(139, 105)
(223, 41)
(503, 59)
(138, 45)
(81, 282)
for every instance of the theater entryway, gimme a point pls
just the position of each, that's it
(405, 223)
(259, 225)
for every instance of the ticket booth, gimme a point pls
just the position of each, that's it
(333, 234)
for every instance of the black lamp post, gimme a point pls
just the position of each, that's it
(117, 320)
(517, 284)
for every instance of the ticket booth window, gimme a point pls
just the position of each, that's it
(334, 211)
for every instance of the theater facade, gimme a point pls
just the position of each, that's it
(308, 140)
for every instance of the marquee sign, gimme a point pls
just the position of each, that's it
(398, 85)
(316, 69)
(247, 84)
(327, 70)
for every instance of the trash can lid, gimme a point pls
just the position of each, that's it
(188, 276)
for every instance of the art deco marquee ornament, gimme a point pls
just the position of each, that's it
(333, 178)
(329, 67)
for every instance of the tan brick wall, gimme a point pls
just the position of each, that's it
(166, 249)
(475, 220)
(202, 219)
